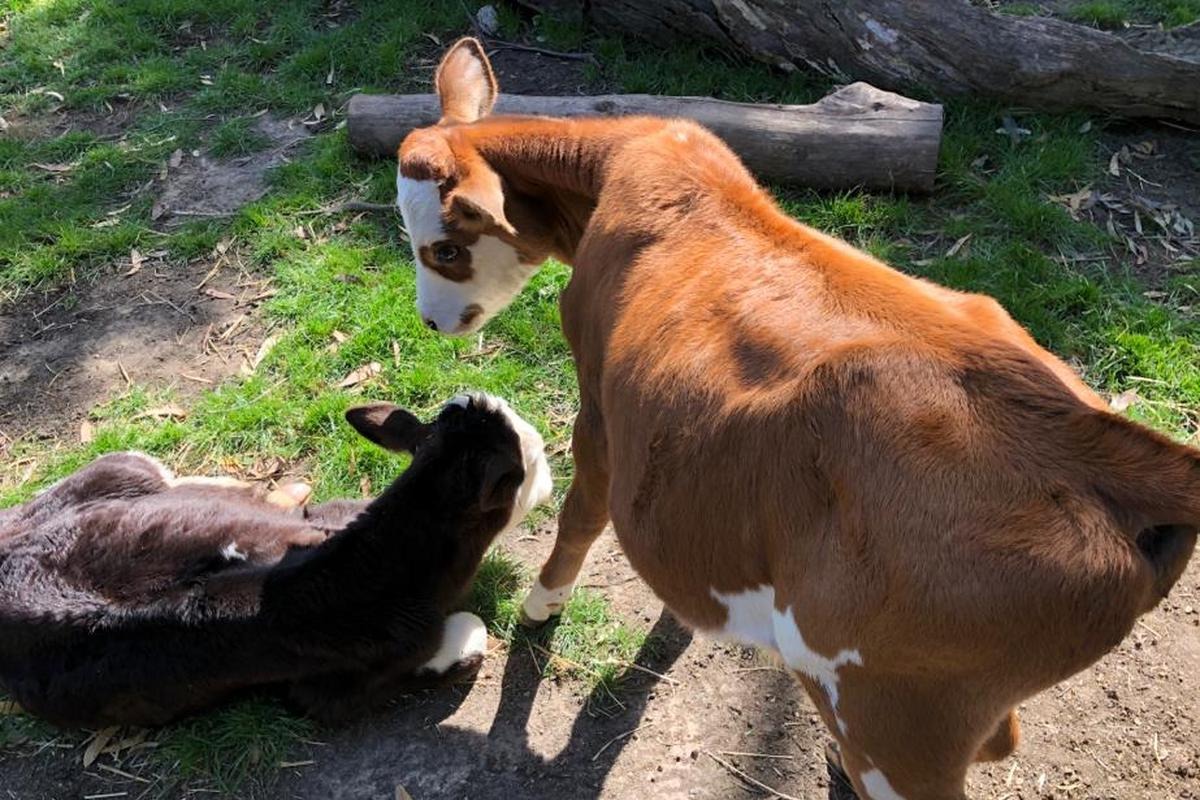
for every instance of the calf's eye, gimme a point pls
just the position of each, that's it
(445, 253)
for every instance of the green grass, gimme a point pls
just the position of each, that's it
(228, 749)
(587, 643)
(1114, 14)
(354, 275)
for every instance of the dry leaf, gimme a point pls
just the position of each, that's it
(364, 486)
(223, 246)
(264, 349)
(329, 76)
(319, 111)
(163, 412)
(1075, 200)
(56, 168)
(87, 432)
(958, 245)
(1085, 127)
(1118, 158)
(218, 294)
(206, 80)
(10, 707)
(157, 210)
(176, 158)
(300, 232)
(1120, 402)
(339, 337)
(361, 375)
(135, 262)
(402, 793)
(395, 352)
(97, 744)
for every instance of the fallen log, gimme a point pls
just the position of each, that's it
(948, 46)
(858, 136)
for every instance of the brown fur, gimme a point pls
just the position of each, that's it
(763, 404)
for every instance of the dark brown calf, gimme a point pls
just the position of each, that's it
(128, 596)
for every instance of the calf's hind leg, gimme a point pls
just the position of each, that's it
(583, 517)
(906, 739)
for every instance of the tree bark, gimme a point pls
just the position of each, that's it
(947, 46)
(858, 136)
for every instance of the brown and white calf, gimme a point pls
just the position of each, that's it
(888, 483)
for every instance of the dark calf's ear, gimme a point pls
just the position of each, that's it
(501, 478)
(388, 426)
(465, 83)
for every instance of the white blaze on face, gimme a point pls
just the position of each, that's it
(498, 274)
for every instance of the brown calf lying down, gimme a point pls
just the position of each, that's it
(888, 483)
(129, 596)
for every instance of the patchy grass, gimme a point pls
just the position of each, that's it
(224, 751)
(587, 642)
(73, 202)
(1113, 14)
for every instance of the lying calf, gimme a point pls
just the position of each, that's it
(128, 596)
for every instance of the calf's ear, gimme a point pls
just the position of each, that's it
(502, 478)
(388, 426)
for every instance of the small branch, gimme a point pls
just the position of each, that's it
(588, 57)
(752, 781)
(349, 205)
(621, 736)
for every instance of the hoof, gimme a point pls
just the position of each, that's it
(840, 787)
(541, 604)
(528, 621)
(465, 670)
(464, 639)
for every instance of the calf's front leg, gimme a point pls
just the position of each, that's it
(339, 697)
(584, 515)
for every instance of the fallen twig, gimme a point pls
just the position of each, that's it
(621, 736)
(752, 781)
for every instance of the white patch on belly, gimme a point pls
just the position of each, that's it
(749, 620)
(463, 636)
(877, 787)
(230, 552)
(753, 619)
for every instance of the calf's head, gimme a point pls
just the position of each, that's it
(476, 442)
(475, 243)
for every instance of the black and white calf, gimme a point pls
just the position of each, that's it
(129, 596)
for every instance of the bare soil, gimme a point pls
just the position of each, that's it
(1126, 729)
(65, 352)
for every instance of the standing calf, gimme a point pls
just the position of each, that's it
(129, 596)
(888, 483)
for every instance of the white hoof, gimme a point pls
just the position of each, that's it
(463, 635)
(543, 603)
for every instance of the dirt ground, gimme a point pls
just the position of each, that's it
(1126, 729)
(63, 353)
